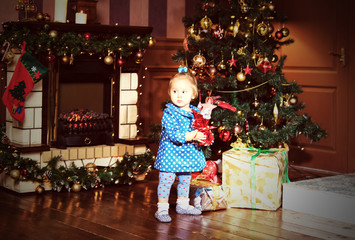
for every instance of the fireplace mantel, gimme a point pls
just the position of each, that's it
(82, 28)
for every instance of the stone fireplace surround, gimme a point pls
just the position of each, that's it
(34, 136)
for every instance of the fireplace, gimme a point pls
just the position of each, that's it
(88, 83)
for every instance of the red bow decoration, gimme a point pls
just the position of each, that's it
(201, 124)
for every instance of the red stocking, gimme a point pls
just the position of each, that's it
(28, 71)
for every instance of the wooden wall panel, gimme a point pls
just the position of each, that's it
(323, 78)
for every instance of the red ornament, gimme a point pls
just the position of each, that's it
(225, 135)
(238, 129)
(50, 58)
(279, 35)
(232, 62)
(87, 36)
(120, 62)
(247, 70)
(270, 28)
(265, 66)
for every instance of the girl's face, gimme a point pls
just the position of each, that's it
(181, 93)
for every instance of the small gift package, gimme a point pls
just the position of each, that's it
(211, 198)
(255, 177)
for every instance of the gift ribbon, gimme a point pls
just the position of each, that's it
(252, 169)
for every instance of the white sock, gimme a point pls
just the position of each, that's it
(163, 206)
(183, 202)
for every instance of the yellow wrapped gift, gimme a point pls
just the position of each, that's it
(255, 177)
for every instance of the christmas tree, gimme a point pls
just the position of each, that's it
(231, 47)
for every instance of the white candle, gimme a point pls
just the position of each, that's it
(60, 11)
(80, 18)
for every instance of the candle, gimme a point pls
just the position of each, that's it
(60, 11)
(80, 18)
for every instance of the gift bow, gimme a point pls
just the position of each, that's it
(252, 168)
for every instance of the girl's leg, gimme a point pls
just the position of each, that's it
(166, 180)
(183, 189)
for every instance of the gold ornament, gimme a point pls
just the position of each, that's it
(244, 8)
(285, 32)
(230, 28)
(256, 103)
(191, 32)
(262, 29)
(53, 33)
(293, 100)
(108, 60)
(199, 60)
(236, 28)
(238, 129)
(241, 77)
(261, 127)
(139, 57)
(276, 113)
(221, 66)
(76, 187)
(151, 42)
(206, 23)
(65, 59)
(15, 174)
(90, 167)
(39, 190)
(271, 7)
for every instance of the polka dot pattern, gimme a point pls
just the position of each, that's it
(174, 153)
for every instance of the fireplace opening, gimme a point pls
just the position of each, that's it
(85, 84)
(84, 103)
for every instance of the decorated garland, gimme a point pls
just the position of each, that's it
(67, 45)
(71, 177)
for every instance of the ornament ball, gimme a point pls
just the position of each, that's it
(87, 36)
(241, 77)
(225, 135)
(76, 187)
(53, 33)
(65, 59)
(39, 189)
(108, 60)
(15, 174)
(293, 100)
(279, 35)
(238, 129)
(285, 32)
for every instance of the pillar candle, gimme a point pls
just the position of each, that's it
(80, 18)
(60, 11)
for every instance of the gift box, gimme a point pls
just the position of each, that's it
(211, 197)
(255, 177)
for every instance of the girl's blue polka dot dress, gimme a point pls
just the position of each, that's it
(174, 153)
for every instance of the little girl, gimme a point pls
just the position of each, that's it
(177, 154)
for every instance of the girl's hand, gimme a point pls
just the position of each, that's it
(195, 136)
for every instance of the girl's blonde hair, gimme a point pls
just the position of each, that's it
(189, 77)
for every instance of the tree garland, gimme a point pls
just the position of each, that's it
(72, 177)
